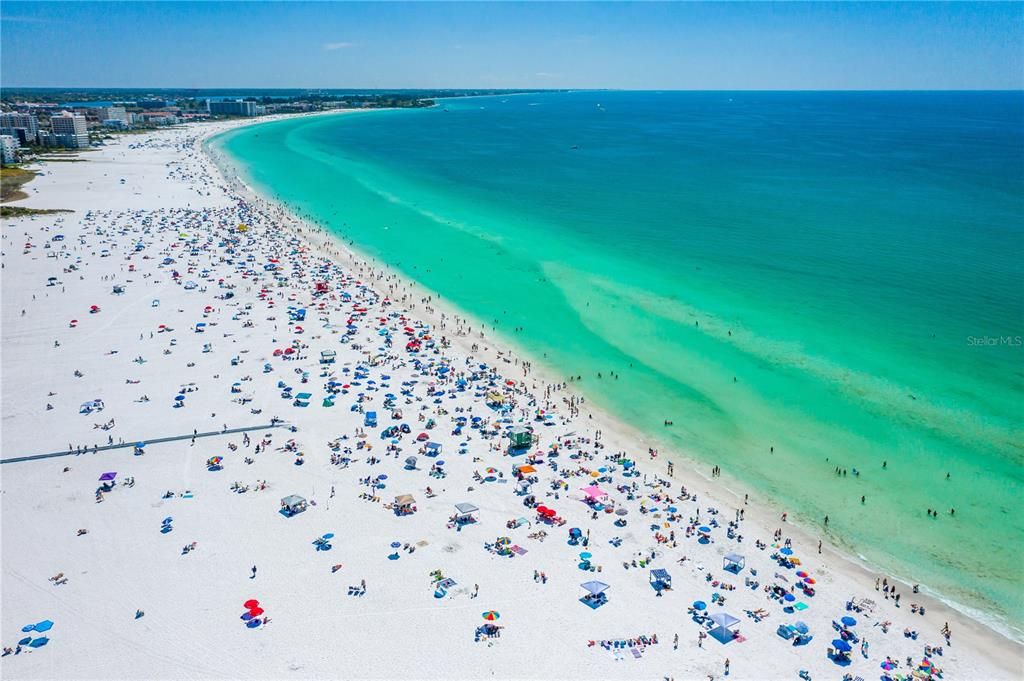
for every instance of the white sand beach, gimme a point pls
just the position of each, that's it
(196, 330)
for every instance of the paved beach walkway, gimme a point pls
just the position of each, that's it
(132, 443)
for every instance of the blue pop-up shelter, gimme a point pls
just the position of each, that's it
(595, 596)
(723, 632)
(660, 579)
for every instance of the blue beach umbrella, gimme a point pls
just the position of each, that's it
(329, 535)
(700, 605)
(45, 625)
(848, 621)
(789, 598)
(841, 645)
(672, 509)
(25, 641)
(786, 551)
(586, 555)
(704, 528)
(28, 627)
(39, 642)
(396, 544)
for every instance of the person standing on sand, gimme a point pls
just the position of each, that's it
(253, 572)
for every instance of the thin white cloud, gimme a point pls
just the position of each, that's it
(25, 20)
(330, 47)
(545, 74)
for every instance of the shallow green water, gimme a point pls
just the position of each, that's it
(838, 254)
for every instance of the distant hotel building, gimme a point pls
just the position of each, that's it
(24, 127)
(8, 148)
(70, 130)
(112, 113)
(236, 108)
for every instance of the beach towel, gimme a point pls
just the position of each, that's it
(800, 606)
(636, 653)
(519, 550)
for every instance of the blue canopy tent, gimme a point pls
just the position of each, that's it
(464, 513)
(734, 562)
(723, 632)
(660, 579)
(595, 596)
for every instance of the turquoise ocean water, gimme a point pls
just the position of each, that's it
(835, 275)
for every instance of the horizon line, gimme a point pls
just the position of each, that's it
(500, 89)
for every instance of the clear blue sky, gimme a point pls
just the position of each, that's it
(565, 45)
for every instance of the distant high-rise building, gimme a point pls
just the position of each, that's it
(236, 108)
(112, 113)
(27, 124)
(8, 148)
(70, 130)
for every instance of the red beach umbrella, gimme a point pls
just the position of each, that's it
(251, 603)
(256, 612)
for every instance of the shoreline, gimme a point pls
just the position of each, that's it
(998, 644)
(173, 201)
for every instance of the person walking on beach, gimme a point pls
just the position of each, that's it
(675, 642)
(727, 666)
(253, 572)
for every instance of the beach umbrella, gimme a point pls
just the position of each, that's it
(396, 544)
(809, 580)
(246, 616)
(841, 645)
(801, 627)
(179, 398)
(329, 535)
(621, 511)
(705, 529)
(672, 509)
(786, 551)
(789, 598)
(700, 605)
(888, 666)
(24, 641)
(586, 555)
(39, 642)
(848, 621)
(28, 627)
(251, 603)
(45, 625)
(491, 615)
(256, 612)
(801, 573)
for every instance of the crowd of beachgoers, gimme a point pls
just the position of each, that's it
(214, 413)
